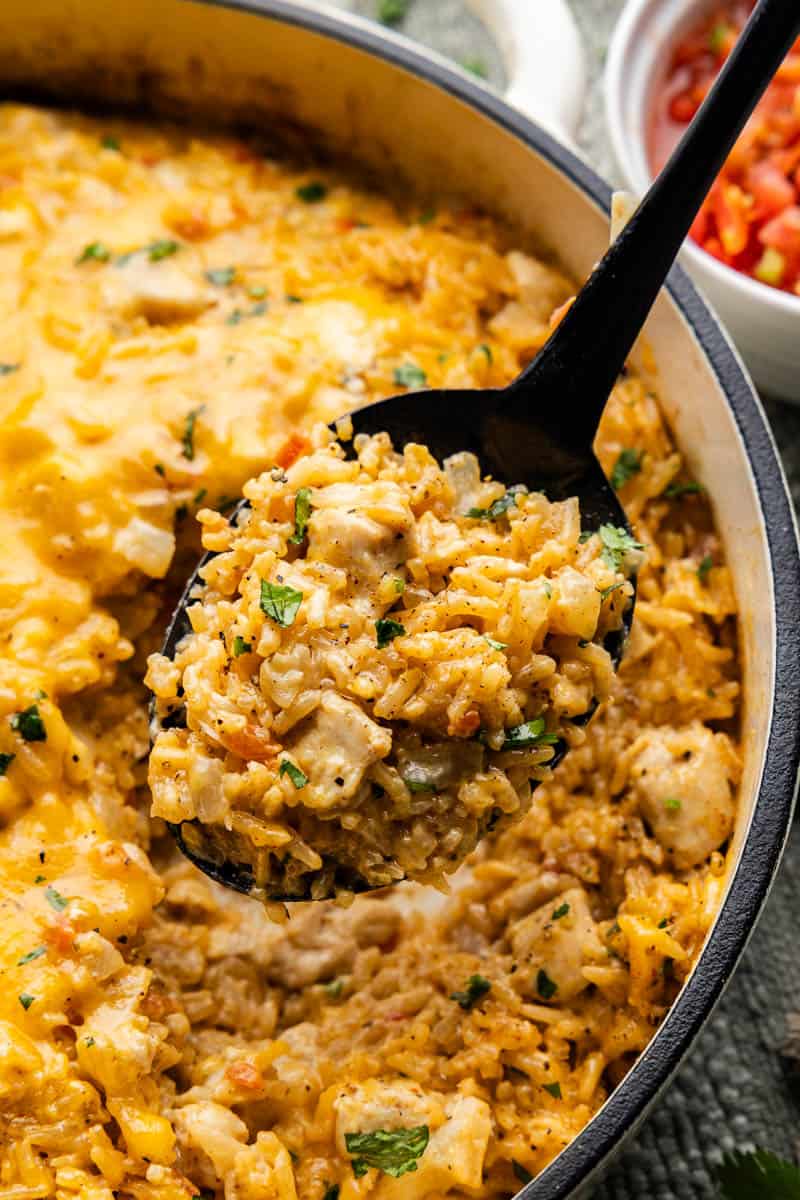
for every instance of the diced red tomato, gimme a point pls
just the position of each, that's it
(751, 218)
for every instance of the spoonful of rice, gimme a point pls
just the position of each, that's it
(398, 634)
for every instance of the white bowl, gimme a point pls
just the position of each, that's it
(763, 321)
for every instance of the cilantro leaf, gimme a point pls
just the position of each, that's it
(188, 432)
(302, 512)
(387, 630)
(110, 143)
(26, 1000)
(705, 566)
(162, 248)
(498, 509)
(280, 603)
(554, 1089)
(96, 251)
(393, 1151)
(295, 774)
(683, 489)
(560, 912)
(672, 804)
(494, 643)
(628, 464)
(476, 66)
(31, 955)
(55, 899)
(9, 368)
(334, 988)
(522, 1173)
(29, 724)
(311, 193)
(742, 1176)
(475, 989)
(240, 646)
(331, 1192)
(409, 375)
(221, 276)
(5, 762)
(392, 12)
(545, 985)
(617, 542)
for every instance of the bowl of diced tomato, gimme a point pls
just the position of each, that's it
(744, 247)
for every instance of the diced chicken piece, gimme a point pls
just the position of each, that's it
(207, 1128)
(541, 288)
(336, 747)
(322, 942)
(361, 528)
(459, 1129)
(560, 946)
(158, 291)
(145, 546)
(685, 784)
(463, 473)
(575, 604)
(263, 1171)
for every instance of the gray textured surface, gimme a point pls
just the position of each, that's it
(734, 1089)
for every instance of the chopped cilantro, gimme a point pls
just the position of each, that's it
(393, 1151)
(548, 588)
(295, 774)
(475, 989)
(392, 12)
(55, 899)
(162, 248)
(663, 923)
(628, 464)
(9, 368)
(617, 542)
(200, 496)
(498, 509)
(585, 536)
(110, 143)
(683, 489)
(89, 1041)
(672, 804)
(159, 469)
(607, 591)
(31, 955)
(188, 431)
(280, 603)
(529, 733)
(494, 643)
(221, 276)
(290, 298)
(545, 985)
(554, 1089)
(259, 309)
(26, 1000)
(476, 66)
(256, 291)
(487, 352)
(29, 724)
(417, 780)
(425, 218)
(560, 912)
(705, 566)
(5, 762)
(240, 646)
(387, 630)
(718, 38)
(235, 318)
(334, 988)
(40, 879)
(331, 1192)
(95, 251)
(399, 585)
(409, 375)
(757, 1173)
(311, 193)
(522, 1173)
(302, 511)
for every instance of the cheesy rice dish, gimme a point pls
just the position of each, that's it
(179, 312)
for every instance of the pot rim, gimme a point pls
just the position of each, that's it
(771, 816)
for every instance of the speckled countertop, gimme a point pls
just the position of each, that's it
(736, 1087)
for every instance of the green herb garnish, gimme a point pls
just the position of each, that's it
(628, 464)
(26, 1000)
(393, 1151)
(55, 899)
(311, 193)
(110, 143)
(95, 251)
(554, 1089)
(256, 292)
(221, 276)
(89, 1041)
(683, 489)
(392, 12)
(409, 375)
(487, 352)
(5, 762)
(705, 566)
(200, 496)
(522, 1173)
(31, 955)
(387, 630)
(281, 604)
(475, 989)
(499, 508)
(606, 591)
(560, 912)
(672, 804)
(295, 774)
(188, 432)
(331, 1192)
(334, 988)
(29, 724)
(494, 643)
(545, 985)
(162, 248)
(302, 511)
(757, 1173)
(240, 646)
(529, 733)
(476, 66)
(617, 543)
(9, 368)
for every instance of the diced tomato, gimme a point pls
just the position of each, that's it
(683, 107)
(245, 1075)
(294, 446)
(770, 189)
(783, 232)
(250, 743)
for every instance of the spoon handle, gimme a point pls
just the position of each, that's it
(576, 369)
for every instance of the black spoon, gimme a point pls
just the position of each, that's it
(539, 430)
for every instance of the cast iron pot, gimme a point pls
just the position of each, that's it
(353, 92)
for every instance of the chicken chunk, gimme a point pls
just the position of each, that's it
(553, 944)
(684, 781)
(160, 292)
(336, 746)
